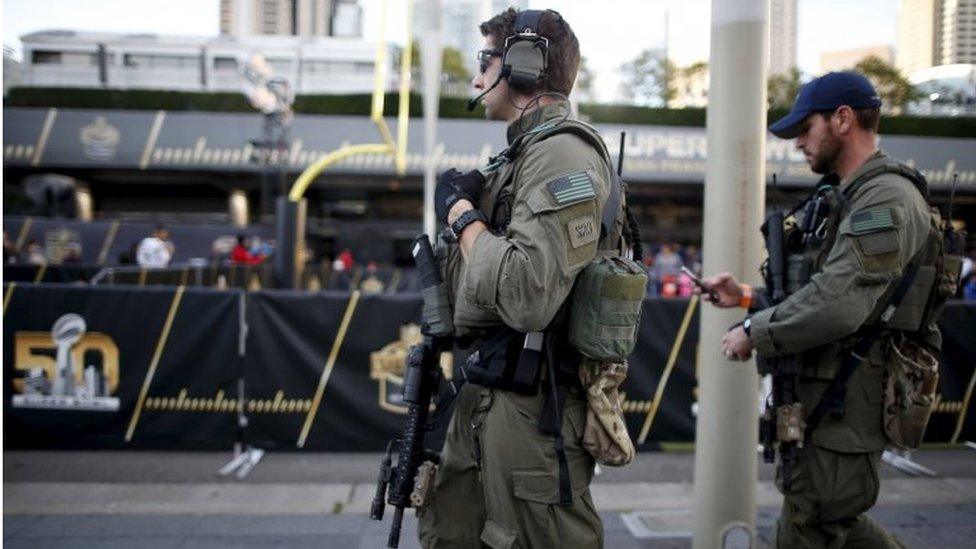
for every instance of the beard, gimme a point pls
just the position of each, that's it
(824, 160)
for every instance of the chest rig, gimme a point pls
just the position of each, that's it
(498, 197)
(811, 233)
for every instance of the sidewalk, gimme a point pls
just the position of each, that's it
(170, 499)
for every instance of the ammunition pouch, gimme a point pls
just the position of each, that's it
(911, 379)
(508, 360)
(606, 308)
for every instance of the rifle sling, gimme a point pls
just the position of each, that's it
(833, 398)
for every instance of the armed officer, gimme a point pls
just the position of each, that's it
(513, 472)
(866, 231)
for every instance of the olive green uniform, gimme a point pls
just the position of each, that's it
(498, 481)
(836, 478)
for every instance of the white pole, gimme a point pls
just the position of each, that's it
(430, 39)
(727, 432)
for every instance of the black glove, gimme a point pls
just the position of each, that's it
(453, 186)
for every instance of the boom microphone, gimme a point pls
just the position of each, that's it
(472, 103)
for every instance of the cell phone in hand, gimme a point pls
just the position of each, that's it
(698, 282)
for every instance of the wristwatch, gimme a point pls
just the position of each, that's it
(747, 326)
(466, 219)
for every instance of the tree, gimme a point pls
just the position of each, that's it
(452, 64)
(584, 82)
(782, 88)
(648, 78)
(895, 90)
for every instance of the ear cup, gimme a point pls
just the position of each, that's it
(525, 63)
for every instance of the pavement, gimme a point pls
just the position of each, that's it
(86, 499)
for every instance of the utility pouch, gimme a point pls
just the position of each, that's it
(799, 269)
(509, 361)
(606, 308)
(605, 435)
(911, 379)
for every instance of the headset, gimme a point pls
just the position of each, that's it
(525, 57)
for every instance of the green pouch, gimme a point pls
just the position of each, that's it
(606, 308)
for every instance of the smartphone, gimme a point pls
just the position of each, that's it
(698, 282)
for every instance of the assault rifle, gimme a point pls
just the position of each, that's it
(411, 479)
(782, 421)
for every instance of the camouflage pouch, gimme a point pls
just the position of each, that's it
(605, 435)
(606, 308)
(911, 379)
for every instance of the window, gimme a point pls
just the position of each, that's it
(225, 63)
(46, 58)
(160, 61)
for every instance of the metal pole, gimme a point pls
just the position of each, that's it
(726, 436)
(431, 61)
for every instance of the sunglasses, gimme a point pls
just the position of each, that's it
(484, 58)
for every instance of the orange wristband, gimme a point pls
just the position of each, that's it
(746, 300)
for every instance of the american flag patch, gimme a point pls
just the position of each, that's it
(571, 188)
(872, 220)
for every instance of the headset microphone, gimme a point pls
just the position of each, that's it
(472, 103)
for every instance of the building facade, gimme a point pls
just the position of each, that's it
(935, 32)
(782, 36)
(340, 18)
(315, 65)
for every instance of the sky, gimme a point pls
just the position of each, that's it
(609, 36)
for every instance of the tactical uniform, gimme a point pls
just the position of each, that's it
(498, 483)
(873, 232)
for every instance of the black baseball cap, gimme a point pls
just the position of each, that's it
(825, 94)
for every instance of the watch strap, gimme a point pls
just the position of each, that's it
(466, 219)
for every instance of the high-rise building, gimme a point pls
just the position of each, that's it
(459, 24)
(935, 32)
(240, 18)
(958, 32)
(782, 36)
(919, 34)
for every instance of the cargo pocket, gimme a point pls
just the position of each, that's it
(536, 486)
(497, 536)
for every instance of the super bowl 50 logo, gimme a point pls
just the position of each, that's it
(66, 368)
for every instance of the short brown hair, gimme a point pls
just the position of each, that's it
(564, 54)
(868, 119)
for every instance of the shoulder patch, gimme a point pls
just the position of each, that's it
(869, 221)
(571, 188)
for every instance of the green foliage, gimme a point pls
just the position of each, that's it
(584, 81)
(895, 89)
(648, 78)
(452, 63)
(359, 105)
(783, 88)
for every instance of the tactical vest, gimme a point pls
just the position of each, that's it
(499, 196)
(813, 234)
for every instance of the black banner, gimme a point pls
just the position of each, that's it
(76, 360)
(321, 371)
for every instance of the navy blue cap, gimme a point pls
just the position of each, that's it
(825, 94)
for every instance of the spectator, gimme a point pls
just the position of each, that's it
(969, 287)
(372, 284)
(9, 252)
(347, 260)
(241, 255)
(155, 251)
(34, 253)
(72, 255)
(668, 262)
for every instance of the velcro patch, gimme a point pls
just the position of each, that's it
(571, 188)
(869, 221)
(582, 231)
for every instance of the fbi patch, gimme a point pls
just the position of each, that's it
(869, 221)
(571, 188)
